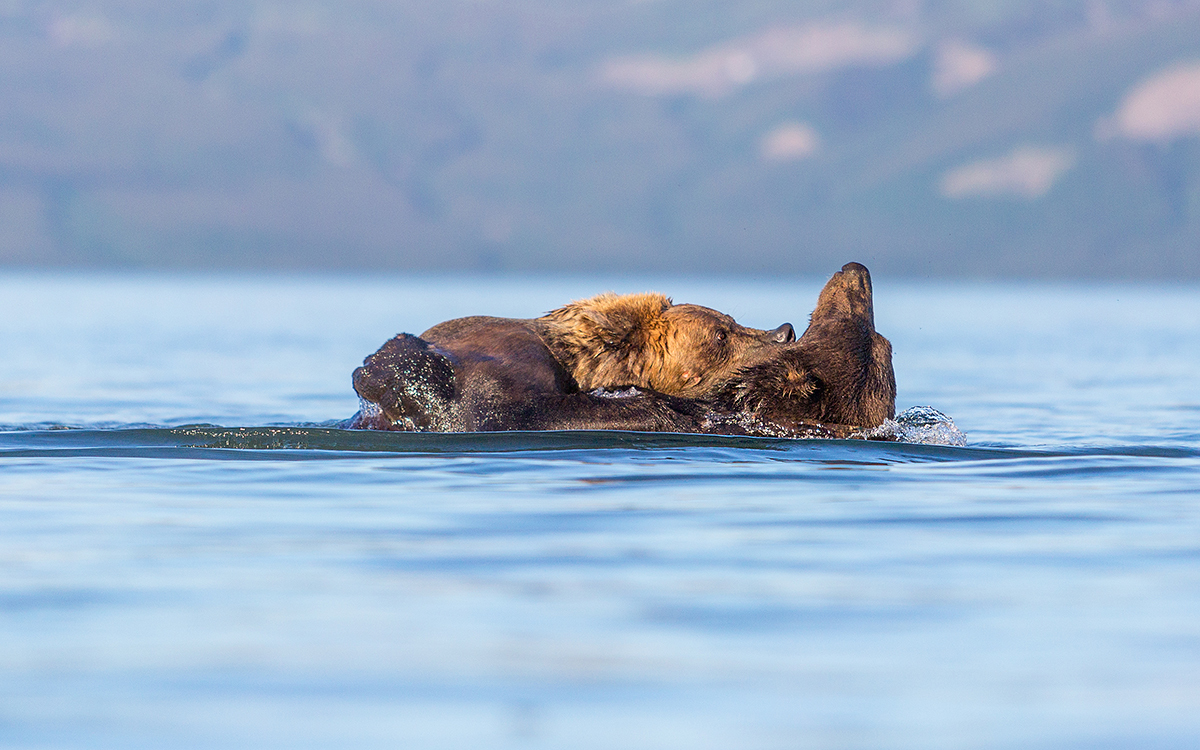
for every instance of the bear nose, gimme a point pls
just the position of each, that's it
(784, 334)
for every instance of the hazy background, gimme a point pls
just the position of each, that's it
(986, 138)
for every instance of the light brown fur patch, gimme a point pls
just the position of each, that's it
(645, 340)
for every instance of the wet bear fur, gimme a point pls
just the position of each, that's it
(838, 372)
(836, 379)
(472, 373)
(641, 340)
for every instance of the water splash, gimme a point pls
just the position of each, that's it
(918, 424)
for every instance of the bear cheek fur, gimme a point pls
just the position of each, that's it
(673, 363)
(702, 349)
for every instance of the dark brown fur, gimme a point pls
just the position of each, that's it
(836, 379)
(839, 371)
(607, 341)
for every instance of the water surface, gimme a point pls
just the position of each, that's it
(193, 555)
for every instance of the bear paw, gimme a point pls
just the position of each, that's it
(410, 382)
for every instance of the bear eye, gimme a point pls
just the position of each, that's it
(721, 335)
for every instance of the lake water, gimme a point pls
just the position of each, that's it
(204, 561)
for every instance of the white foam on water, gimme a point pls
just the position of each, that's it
(629, 392)
(918, 424)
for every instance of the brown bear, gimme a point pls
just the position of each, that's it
(641, 340)
(836, 379)
(839, 372)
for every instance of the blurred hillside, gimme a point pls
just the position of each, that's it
(1057, 138)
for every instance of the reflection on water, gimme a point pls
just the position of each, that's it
(281, 582)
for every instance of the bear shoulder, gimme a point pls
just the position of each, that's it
(610, 339)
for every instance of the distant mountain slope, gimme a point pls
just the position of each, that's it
(953, 138)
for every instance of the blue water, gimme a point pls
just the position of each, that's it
(204, 561)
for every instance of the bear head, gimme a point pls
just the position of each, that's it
(646, 340)
(838, 372)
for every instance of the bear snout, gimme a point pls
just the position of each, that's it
(858, 271)
(847, 295)
(784, 334)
